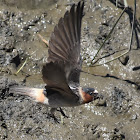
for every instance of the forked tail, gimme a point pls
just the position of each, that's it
(35, 93)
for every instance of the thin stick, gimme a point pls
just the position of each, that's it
(125, 3)
(116, 3)
(131, 38)
(22, 65)
(44, 40)
(25, 62)
(108, 36)
(112, 59)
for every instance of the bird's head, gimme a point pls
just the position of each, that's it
(88, 94)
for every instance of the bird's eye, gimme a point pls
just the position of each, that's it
(90, 93)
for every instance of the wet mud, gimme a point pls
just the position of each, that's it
(115, 117)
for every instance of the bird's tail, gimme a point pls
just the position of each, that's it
(35, 93)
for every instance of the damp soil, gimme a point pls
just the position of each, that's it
(115, 117)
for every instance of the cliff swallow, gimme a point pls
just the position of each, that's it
(62, 71)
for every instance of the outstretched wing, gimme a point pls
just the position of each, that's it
(64, 61)
(64, 44)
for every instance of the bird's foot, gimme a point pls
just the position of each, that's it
(54, 118)
(63, 115)
(52, 115)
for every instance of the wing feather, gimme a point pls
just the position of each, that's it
(64, 61)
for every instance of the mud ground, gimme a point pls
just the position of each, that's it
(116, 117)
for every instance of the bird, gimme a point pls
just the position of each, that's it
(61, 73)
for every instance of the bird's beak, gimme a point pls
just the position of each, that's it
(97, 95)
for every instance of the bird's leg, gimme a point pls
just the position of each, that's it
(52, 114)
(52, 111)
(62, 115)
(62, 112)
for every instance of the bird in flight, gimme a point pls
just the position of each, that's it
(61, 73)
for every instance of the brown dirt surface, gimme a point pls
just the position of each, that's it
(116, 117)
